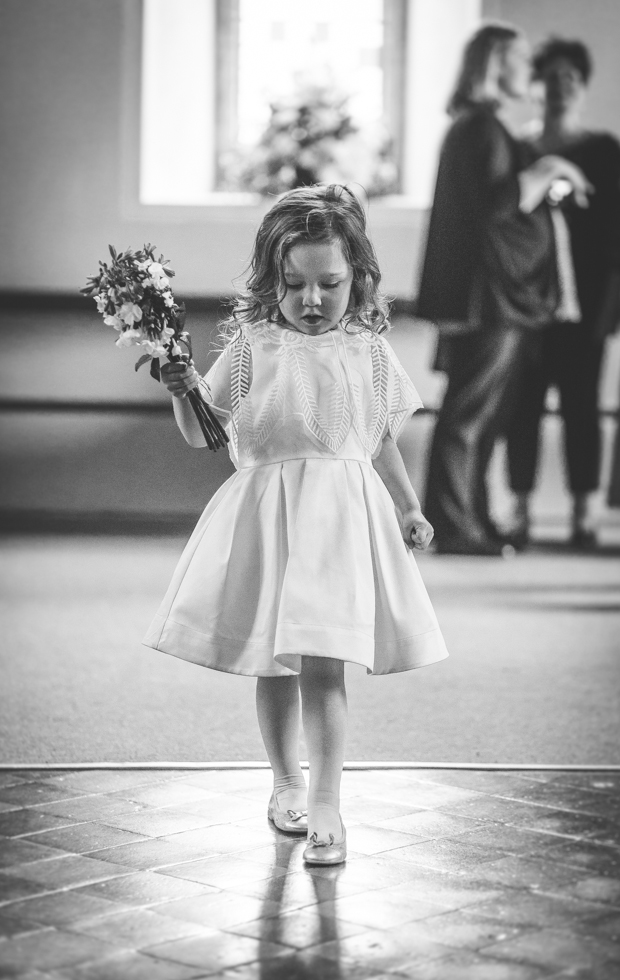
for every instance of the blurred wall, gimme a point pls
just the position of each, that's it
(69, 147)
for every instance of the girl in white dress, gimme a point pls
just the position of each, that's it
(302, 560)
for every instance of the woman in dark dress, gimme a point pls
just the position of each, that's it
(571, 353)
(489, 280)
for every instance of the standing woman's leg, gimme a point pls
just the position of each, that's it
(578, 361)
(523, 430)
(484, 365)
(324, 710)
(277, 709)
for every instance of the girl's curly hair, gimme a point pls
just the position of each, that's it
(321, 213)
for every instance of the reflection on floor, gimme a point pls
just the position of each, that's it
(172, 875)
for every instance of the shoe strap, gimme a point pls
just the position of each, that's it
(297, 814)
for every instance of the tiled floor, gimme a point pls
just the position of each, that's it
(173, 875)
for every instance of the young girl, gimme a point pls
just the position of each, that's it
(301, 561)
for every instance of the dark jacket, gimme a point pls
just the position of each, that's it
(595, 230)
(486, 262)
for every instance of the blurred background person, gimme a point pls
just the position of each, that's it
(489, 280)
(571, 353)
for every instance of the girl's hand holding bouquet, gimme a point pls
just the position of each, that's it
(180, 379)
(133, 294)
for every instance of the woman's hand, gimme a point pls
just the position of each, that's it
(565, 170)
(536, 180)
(179, 378)
(417, 531)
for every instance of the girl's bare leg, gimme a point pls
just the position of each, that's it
(277, 708)
(324, 708)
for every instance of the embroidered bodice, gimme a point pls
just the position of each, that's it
(288, 395)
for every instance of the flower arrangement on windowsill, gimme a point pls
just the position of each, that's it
(311, 138)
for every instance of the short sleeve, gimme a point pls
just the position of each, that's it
(402, 397)
(218, 382)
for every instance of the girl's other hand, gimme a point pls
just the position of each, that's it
(179, 378)
(417, 531)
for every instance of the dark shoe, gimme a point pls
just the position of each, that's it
(290, 821)
(326, 852)
(517, 539)
(583, 539)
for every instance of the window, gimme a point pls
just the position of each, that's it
(374, 74)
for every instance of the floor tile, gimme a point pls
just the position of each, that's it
(16, 823)
(22, 850)
(32, 794)
(48, 949)
(11, 926)
(145, 888)
(137, 928)
(220, 910)
(167, 794)
(150, 853)
(217, 951)
(554, 949)
(300, 928)
(454, 854)
(87, 837)
(67, 871)
(13, 888)
(61, 909)
(467, 965)
(129, 966)
(392, 949)
(366, 839)
(430, 824)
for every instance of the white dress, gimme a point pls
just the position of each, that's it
(300, 551)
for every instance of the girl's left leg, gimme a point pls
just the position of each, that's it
(277, 709)
(324, 712)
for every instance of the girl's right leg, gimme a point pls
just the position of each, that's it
(324, 708)
(277, 708)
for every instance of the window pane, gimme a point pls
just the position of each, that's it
(323, 61)
(284, 44)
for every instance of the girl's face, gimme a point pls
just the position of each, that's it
(318, 286)
(515, 72)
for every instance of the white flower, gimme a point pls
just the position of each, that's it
(155, 348)
(113, 321)
(158, 346)
(129, 338)
(130, 313)
(102, 301)
(168, 298)
(157, 274)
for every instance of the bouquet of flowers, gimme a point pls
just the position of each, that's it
(133, 294)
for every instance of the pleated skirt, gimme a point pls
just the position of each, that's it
(293, 558)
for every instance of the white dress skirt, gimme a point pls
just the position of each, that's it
(300, 552)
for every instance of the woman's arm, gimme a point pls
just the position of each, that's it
(179, 379)
(416, 530)
(535, 181)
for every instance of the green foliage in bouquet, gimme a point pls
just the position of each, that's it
(133, 294)
(311, 138)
